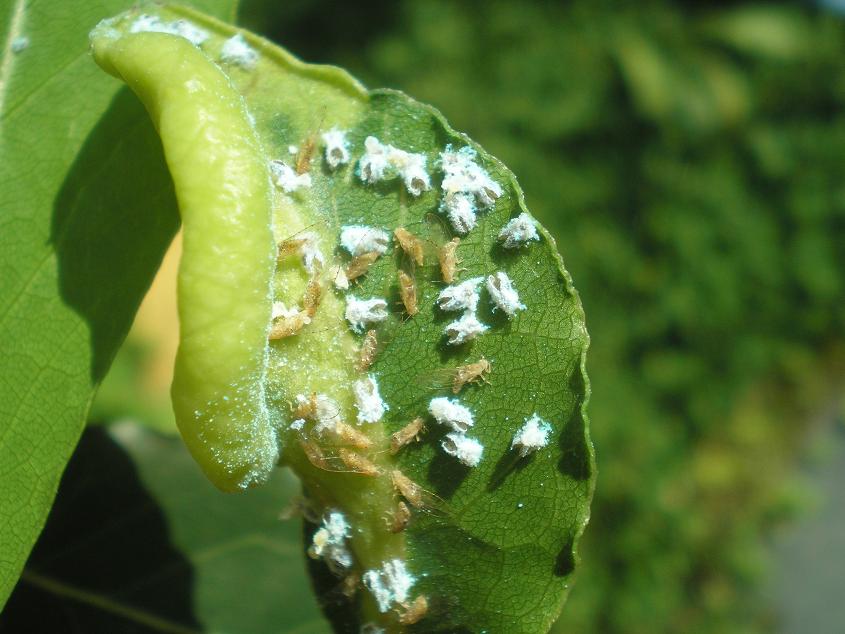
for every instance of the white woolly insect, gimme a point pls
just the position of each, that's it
(467, 450)
(309, 249)
(465, 329)
(392, 584)
(382, 161)
(183, 28)
(146, 23)
(329, 542)
(281, 310)
(504, 295)
(325, 413)
(373, 165)
(368, 401)
(236, 51)
(337, 147)
(293, 150)
(463, 174)
(451, 413)
(327, 410)
(338, 277)
(411, 168)
(20, 44)
(460, 210)
(518, 231)
(312, 256)
(286, 178)
(190, 31)
(465, 184)
(414, 175)
(533, 435)
(358, 239)
(360, 312)
(105, 28)
(463, 296)
(298, 424)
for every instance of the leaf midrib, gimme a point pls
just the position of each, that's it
(58, 588)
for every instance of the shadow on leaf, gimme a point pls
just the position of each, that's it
(112, 222)
(105, 562)
(575, 460)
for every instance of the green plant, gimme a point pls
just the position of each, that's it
(482, 539)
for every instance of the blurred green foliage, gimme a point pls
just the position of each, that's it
(690, 158)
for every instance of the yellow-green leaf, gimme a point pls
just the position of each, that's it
(488, 547)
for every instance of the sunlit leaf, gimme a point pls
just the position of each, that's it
(491, 547)
(86, 210)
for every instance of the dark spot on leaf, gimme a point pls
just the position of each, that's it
(497, 320)
(394, 299)
(575, 459)
(565, 561)
(452, 352)
(509, 463)
(446, 474)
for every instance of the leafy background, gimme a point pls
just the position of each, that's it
(689, 158)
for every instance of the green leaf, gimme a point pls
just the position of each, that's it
(490, 547)
(134, 553)
(87, 211)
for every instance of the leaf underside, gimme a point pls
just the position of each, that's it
(496, 551)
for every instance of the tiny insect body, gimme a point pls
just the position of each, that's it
(408, 293)
(470, 373)
(407, 488)
(349, 585)
(415, 495)
(305, 406)
(288, 326)
(306, 151)
(351, 436)
(411, 245)
(337, 463)
(367, 354)
(358, 463)
(448, 257)
(290, 247)
(303, 157)
(315, 455)
(456, 378)
(414, 612)
(313, 407)
(401, 518)
(360, 264)
(408, 434)
(313, 296)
